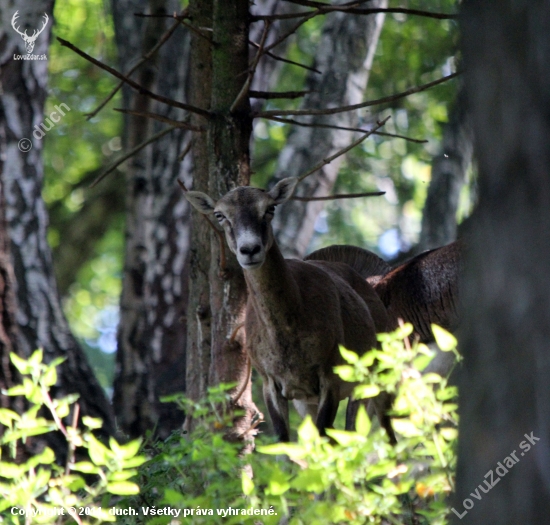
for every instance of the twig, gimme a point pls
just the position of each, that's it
(153, 50)
(186, 150)
(281, 59)
(162, 118)
(340, 196)
(328, 160)
(290, 32)
(342, 109)
(353, 10)
(192, 28)
(244, 90)
(221, 240)
(132, 152)
(344, 128)
(71, 445)
(281, 94)
(135, 85)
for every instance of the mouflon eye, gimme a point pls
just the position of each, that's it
(270, 210)
(219, 216)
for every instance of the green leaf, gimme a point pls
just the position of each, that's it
(36, 358)
(50, 376)
(7, 416)
(348, 355)
(136, 461)
(99, 453)
(346, 372)
(126, 451)
(86, 467)
(247, 483)
(365, 391)
(312, 480)
(363, 422)
(432, 378)
(445, 340)
(343, 437)
(10, 470)
(307, 431)
(293, 450)
(449, 433)
(23, 366)
(46, 457)
(122, 488)
(92, 422)
(122, 475)
(405, 427)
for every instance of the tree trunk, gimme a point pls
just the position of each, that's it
(344, 57)
(448, 177)
(39, 315)
(504, 387)
(151, 338)
(229, 131)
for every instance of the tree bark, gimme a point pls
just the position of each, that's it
(448, 176)
(344, 57)
(40, 317)
(229, 134)
(504, 387)
(151, 338)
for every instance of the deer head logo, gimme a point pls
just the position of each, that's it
(29, 40)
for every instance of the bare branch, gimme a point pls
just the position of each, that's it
(135, 85)
(163, 39)
(281, 94)
(344, 128)
(333, 111)
(186, 150)
(281, 59)
(328, 160)
(340, 196)
(244, 90)
(355, 11)
(131, 153)
(161, 118)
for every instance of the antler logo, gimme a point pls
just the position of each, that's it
(29, 40)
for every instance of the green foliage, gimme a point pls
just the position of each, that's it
(353, 477)
(40, 489)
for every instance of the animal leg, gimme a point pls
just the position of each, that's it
(328, 407)
(277, 407)
(382, 404)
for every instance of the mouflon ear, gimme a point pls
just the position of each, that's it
(201, 202)
(283, 190)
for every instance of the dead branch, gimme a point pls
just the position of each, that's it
(281, 59)
(131, 153)
(185, 151)
(163, 39)
(328, 160)
(340, 196)
(353, 10)
(221, 238)
(244, 90)
(344, 128)
(274, 94)
(131, 83)
(161, 118)
(342, 109)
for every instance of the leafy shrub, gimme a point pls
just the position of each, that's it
(353, 477)
(41, 491)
